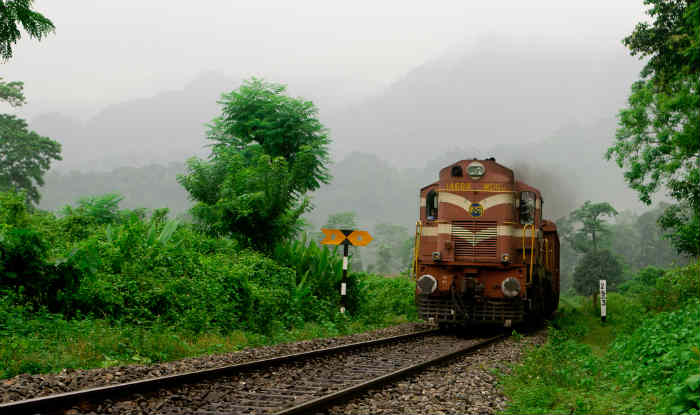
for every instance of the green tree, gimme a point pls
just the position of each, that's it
(14, 13)
(391, 245)
(595, 266)
(657, 139)
(585, 226)
(24, 155)
(342, 220)
(268, 150)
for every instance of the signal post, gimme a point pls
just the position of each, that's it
(346, 237)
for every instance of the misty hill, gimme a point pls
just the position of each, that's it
(152, 186)
(164, 128)
(568, 167)
(544, 109)
(501, 91)
(161, 129)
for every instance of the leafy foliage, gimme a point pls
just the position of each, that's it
(585, 226)
(269, 150)
(12, 93)
(684, 224)
(24, 155)
(318, 273)
(595, 266)
(380, 296)
(27, 267)
(19, 12)
(657, 141)
(130, 267)
(639, 361)
(667, 344)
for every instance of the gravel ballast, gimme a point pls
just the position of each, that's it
(462, 386)
(270, 389)
(30, 386)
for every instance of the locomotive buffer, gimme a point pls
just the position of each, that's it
(346, 237)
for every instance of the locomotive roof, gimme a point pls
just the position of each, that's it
(491, 161)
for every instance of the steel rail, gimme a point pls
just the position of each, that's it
(62, 401)
(333, 398)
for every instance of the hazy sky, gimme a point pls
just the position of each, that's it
(109, 51)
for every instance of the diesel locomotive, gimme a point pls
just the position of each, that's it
(483, 252)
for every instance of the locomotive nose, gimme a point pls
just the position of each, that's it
(427, 284)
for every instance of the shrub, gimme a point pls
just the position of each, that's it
(595, 266)
(26, 266)
(675, 287)
(662, 353)
(379, 297)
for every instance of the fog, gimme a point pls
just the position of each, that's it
(404, 86)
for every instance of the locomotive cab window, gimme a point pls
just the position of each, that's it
(526, 208)
(456, 171)
(431, 205)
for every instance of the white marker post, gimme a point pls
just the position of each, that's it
(343, 283)
(603, 300)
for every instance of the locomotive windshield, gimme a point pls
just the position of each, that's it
(431, 205)
(527, 208)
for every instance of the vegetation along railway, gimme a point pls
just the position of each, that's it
(290, 384)
(483, 255)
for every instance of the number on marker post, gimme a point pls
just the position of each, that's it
(603, 300)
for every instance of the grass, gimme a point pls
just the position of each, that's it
(47, 343)
(637, 362)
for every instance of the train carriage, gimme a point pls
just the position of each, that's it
(483, 253)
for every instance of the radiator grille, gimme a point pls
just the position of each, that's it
(473, 238)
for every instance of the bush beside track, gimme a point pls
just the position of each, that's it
(643, 359)
(99, 286)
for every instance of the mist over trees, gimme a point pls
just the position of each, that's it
(470, 106)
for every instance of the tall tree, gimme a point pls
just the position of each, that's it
(24, 155)
(657, 139)
(586, 225)
(15, 13)
(268, 150)
(342, 220)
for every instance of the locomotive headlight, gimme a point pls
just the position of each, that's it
(427, 284)
(510, 287)
(476, 170)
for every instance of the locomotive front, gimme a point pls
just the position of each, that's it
(483, 252)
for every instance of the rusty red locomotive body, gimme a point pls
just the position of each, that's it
(484, 254)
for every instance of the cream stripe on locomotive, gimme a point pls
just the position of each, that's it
(501, 230)
(464, 203)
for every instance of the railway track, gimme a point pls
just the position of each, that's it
(292, 384)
